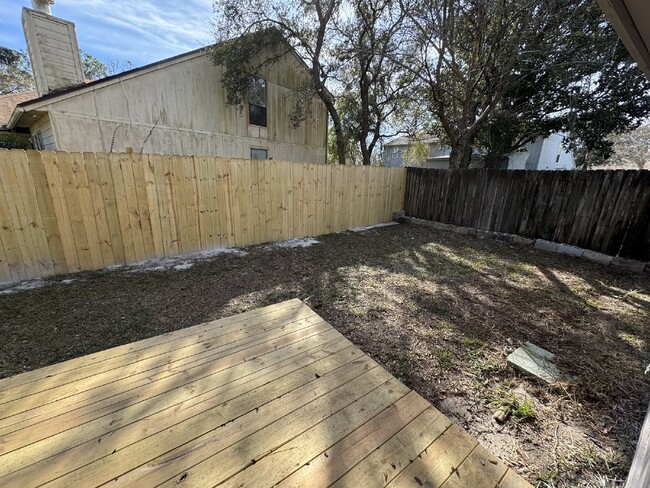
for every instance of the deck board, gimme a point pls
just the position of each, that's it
(274, 396)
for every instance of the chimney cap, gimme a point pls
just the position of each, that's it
(43, 6)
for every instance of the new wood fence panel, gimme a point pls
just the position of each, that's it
(66, 212)
(607, 211)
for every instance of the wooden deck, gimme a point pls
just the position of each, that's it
(274, 396)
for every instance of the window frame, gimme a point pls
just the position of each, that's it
(266, 150)
(262, 106)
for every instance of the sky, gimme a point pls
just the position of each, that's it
(140, 31)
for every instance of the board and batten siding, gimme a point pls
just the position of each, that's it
(53, 51)
(179, 107)
(43, 129)
(65, 212)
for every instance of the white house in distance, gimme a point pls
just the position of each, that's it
(543, 154)
(175, 106)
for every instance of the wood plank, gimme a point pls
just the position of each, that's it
(15, 218)
(278, 463)
(84, 199)
(437, 462)
(153, 207)
(55, 183)
(270, 312)
(105, 181)
(130, 375)
(119, 165)
(99, 209)
(479, 469)
(381, 466)
(198, 439)
(640, 471)
(32, 216)
(77, 447)
(138, 161)
(337, 460)
(198, 383)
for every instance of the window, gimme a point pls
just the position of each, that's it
(257, 102)
(257, 153)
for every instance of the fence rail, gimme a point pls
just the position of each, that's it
(606, 211)
(66, 212)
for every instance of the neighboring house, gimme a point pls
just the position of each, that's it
(546, 154)
(174, 106)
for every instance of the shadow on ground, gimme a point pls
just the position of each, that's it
(440, 311)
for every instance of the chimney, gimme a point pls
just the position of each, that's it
(53, 49)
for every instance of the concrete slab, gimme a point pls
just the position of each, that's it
(597, 257)
(535, 361)
(570, 250)
(545, 245)
(628, 265)
(441, 226)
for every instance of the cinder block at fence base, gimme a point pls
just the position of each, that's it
(628, 265)
(462, 230)
(484, 234)
(546, 245)
(570, 250)
(441, 226)
(522, 241)
(503, 237)
(597, 257)
(417, 222)
(398, 215)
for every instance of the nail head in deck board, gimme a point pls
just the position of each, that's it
(276, 385)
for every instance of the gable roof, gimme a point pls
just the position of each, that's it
(9, 102)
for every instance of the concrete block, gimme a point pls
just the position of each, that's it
(629, 265)
(523, 241)
(471, 231)
(462, 230)
(484, 234)
(503, 237)
(399, 214)
(570, 250)
(597, 257)
(441, 226)
(418, 222)
(545, 245)
(535, 361)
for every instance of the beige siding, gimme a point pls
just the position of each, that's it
(53, 50)
(180, 108)
(44, 127)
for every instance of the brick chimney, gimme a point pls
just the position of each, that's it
(53, 49)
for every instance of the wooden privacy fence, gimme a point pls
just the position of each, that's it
(66, 212)
(606, 211)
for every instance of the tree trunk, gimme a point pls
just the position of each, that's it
(461, 155)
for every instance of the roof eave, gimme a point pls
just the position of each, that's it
(628, 30)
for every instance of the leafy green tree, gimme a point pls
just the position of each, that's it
(15, 71)
(582, 82)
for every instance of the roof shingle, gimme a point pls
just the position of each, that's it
(8, 104)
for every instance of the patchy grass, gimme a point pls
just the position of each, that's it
(439, 310)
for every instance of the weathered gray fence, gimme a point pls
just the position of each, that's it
(607, 211)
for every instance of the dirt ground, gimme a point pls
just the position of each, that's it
(440, 311)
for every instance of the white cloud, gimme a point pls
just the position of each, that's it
(142, 32)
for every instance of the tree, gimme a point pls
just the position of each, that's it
(416, 153)
(581, 81)
(631, 150)
(15, 71)
(348, 47)
(245, 29)
(462, 54)
(373, 84)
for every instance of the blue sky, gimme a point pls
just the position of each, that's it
(140, 31)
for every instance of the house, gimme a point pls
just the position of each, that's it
(174, 106)
(7, 105)
(543, 153)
